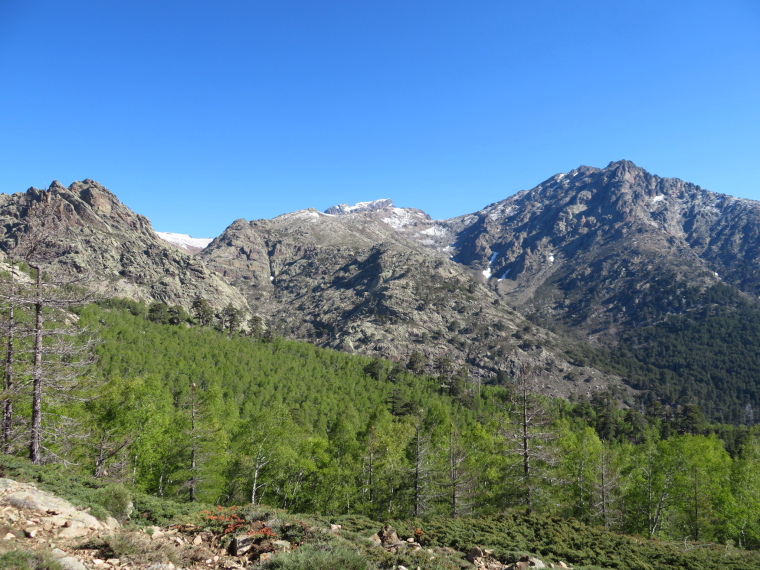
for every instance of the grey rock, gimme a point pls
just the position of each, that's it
(119, 248)
(71, 563)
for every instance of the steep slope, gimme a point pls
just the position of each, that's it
(116, 247)
(371, 280)
(603, 249)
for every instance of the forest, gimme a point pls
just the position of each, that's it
(200, 409)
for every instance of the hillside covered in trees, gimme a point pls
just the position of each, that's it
(198, 414)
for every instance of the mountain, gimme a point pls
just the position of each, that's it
(592, 276)
(600, 250)
(606, 256)
(118, 248)
(370, 281)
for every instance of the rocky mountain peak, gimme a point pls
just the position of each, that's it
(343, 209)
(96, 234)
(585, 246)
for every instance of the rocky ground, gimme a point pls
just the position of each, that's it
(51, 530)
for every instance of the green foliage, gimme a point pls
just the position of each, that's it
(22, 560)
(710, 355)
(116, 499)
(135, 547)
(193, 413)
(322, 555)
(554, 539)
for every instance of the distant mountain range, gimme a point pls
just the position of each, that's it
(562, 277)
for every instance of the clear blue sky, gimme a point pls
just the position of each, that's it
(195, 113)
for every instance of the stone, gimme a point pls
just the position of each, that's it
(74, 531)
(31, 531)
(281, 545)
(528, 562)
(71, 563)
(475, 553)
(241, 544)
(388, 536)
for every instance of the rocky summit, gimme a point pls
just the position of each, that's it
(600, 249)
(587, 255)
(118, 249)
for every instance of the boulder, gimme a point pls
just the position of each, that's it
(241, 544)
(388, 536)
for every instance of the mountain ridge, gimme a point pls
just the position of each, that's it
(591, 255)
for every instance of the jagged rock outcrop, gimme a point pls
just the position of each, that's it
(342, 209)
(122, 255)
(41, 515)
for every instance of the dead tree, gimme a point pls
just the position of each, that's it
(58, 351)
(528, 435)
(459, 480)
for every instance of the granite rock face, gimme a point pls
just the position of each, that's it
(604, 249)
(117, 248)
(378, 282)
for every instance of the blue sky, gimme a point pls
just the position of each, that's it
(196, 113)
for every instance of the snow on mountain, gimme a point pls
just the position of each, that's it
(184, 241)
(342, 209)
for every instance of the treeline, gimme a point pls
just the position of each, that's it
(199, 414)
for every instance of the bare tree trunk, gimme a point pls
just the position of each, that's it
(529, 436)
(35, 440)
(193, 442)
(7, 420)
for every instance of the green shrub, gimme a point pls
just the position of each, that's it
(116, 499)
(21, 560)
(133, 546)
(327, 555)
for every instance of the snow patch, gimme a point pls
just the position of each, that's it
(184, 240)
(342, 209)
(658, 198)
(435, 231)
(502, 211)
(487, 272)
(505, 275)
(400, 217)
